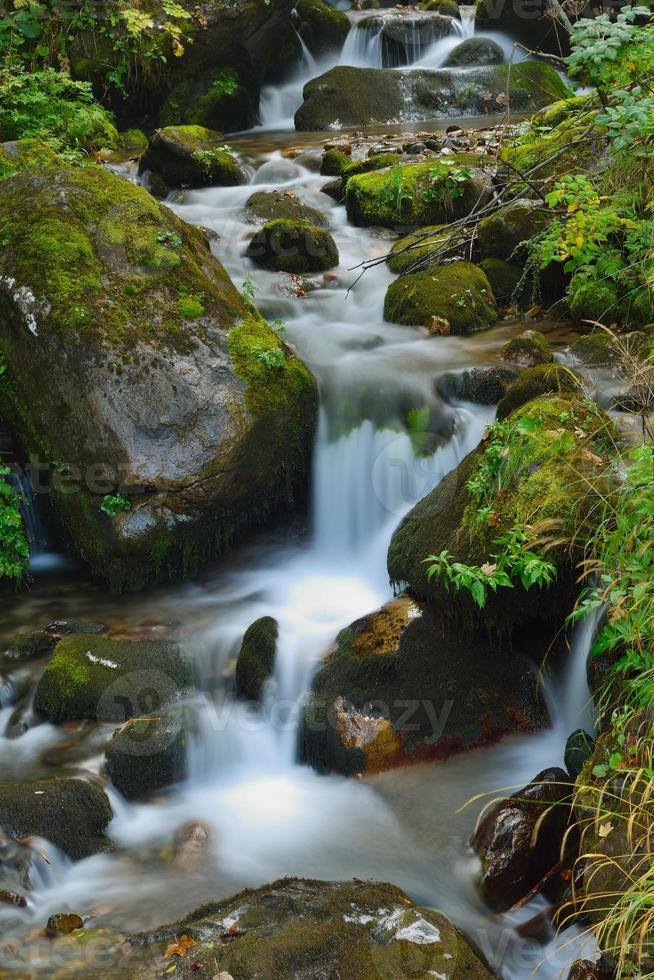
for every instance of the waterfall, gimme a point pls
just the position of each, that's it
(279, 101)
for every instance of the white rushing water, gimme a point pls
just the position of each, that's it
(266, 816)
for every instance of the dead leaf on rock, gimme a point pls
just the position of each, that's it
(605, 829)
(181, 947)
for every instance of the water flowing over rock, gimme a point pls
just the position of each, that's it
(167, 407)
(347, 96)
(399, 686)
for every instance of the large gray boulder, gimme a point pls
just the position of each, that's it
(136, 367)
(346, 96)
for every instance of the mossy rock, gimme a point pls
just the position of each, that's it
(458, 292)
(274, 205)
(418, 246)
(356, 720)
(190, 156)
(579, 748)
(482, 386)
(595, 349)
(147, 754)
(333, 162)
(352, 95)
(292, 927)
(504, 279)
(564, 110)
(378, 161)
(111, 680)
(474, 51)
(256, 659)
(527, 349)
(448, 8)
(28, 154)
(503, 235)
(293, 246)
(544, 379)
(71, 813)
(322, 27)
(217, 100)
(178, 394)
(132, 141)
(416, 195)
(599, 302)
(556, 453)
(29, 645)
(533, 26)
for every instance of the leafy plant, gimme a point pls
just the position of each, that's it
(14, 547)
(447, 182)
(114, 504)
(513, 562)
(270, 357)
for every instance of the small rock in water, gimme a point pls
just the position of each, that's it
(63, 923)
(438, 326)
(8, 897)
(433, 144)
(414, 148)
(587, 970)
(578, 749)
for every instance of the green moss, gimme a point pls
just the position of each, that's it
(379, 161)
(536, 79)
(448, 8)
(132, 140)
(421, 244)
(415, 195)
(323, 28)
(459, 292)
(83, 667)
(591, 300)
(502, 234)
(293, 246)
(595, 349)
(27, 155)
(190, 156)
(272, 205)
(333, 162)
(503, 278)
(256, 659)
(217, 99)
(555, 379)
(528, 349)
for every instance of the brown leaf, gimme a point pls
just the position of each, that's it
(181, 947)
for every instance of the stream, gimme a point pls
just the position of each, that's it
(266, 815)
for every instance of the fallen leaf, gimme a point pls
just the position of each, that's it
(605, 829)
(180, 948)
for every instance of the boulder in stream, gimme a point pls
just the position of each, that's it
(297, 927)
(321, 26)
(285, 245)
(527, 350)
(400, 686)
(29, 154)
(256, 659)
(110, 680)
(459, 293)
(271, 205)
(474, 51)
(519, 840)
(189, 156)
(502, 233)
(544, 379)
(147, 754)
(184, 418)
(346, 96)
(71, 813)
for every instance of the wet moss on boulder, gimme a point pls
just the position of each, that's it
(256, 659)
(544, 379)
(418, 246)
(284, 245)
(110, 680)
(190, 156)
(71, 813)
(595, 349)
(448, 8)
(404, 654)
(179, 399)
(528, 349)
(504, 279)
(27, 154)
(502, 234)
(474, 51)
(378, 161)
(218, 100)
(322, 27)
(274, 205)
(416, 195)
(333, 162)
(147, 754)
(458, 292)
(554, 454)
(295, 926)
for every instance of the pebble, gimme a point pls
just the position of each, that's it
(63, 923)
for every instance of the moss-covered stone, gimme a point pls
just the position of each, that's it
(170, 380)
(554, 463)
(418, 246)
(590, 300)
(416, 195)
(256, 659)
(291, 927)
(403, 654)
(378, 161)
(448, 8)
(190, 156)
(333, 162)
(26, 155)
(293, 246)
(579, 747)
(218, 100)
(504, 279)
(594, 349)
(30, 645)
(483, 386)
(71, 813)
(274, 205)
(474, 51)
(502, 235)
(132, 141)
(544, 379)
(458, 292)
(323, 28)
(111, 680)
(527, 349)
(147, 754)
